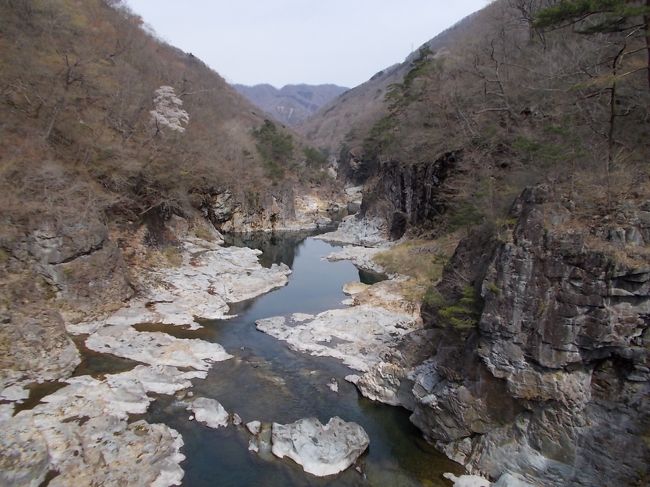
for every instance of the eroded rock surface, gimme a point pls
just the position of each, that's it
(467, 480)
(156, 348)
(82, 432)
(358, 336)
(209, 411)
(355, 230)
(362, 257)
(209, 279)
(550, 387)
(33, 348)
(321, 449)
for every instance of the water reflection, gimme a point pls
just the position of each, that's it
(267, 381)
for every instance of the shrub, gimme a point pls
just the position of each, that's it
(314, 158)
(275, 148)
(173, 256)
(464, 313)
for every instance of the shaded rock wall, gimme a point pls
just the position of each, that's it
(409, 195)
(551, 385)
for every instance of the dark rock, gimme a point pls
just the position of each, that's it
(552, 385)
(35, 347)
(398, 225)
(410, 192)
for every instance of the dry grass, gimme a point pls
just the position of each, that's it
(627, 256)
(422, 261)
(173, 256)
(203, 233)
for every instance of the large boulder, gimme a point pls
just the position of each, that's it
(34, 347)
(320, 449)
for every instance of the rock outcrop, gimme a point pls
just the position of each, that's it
(359, 336)
(80, 262)
(321, 449)
(408, 195)
(356, 230)
(280, 210)
(81, 434)
(550, 384)
(209, 279)
(209, 411)
(34, 348)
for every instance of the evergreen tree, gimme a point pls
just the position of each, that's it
(631, 17)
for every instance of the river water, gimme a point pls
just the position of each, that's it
(267, 381)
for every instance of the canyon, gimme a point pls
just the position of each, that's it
(439, 276)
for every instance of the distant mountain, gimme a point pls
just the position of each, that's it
(291, 104)
(350, 116)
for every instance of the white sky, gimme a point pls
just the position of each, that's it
(301, 41)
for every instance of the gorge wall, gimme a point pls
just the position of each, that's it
(549, 383)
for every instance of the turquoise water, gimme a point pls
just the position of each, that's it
(267, 381)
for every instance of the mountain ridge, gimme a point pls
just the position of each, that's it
(291, 104)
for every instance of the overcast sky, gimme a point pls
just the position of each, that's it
(301, 41)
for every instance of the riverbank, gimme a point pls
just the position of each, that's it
(223, 358)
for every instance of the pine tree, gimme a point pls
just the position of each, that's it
(630, 17)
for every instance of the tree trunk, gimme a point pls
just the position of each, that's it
(646, 20)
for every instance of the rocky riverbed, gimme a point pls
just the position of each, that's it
(82, 431)
(98, 427)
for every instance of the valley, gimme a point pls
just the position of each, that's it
(440, 276)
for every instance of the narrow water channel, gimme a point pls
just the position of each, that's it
(267, 381)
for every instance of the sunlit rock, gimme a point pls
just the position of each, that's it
(209, 279)
(358, 335)
(320, 449)
(358, 231)
(209, 411)
(156, 348)
(467, 480)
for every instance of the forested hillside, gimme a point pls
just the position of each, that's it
(523, 135)
(518, 100)
(105, 128)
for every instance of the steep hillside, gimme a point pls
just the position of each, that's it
(524, 134)
(347, 119)
(513, 104)
(291, 104)
(106, 133)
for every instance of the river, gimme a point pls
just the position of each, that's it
(267, 381)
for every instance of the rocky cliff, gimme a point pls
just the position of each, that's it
(539, 373)
(409, 195)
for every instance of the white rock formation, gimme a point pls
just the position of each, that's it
(358, 231)
(209, 411)
(358, 335)
(82, 431)
(352, 288)
(467, 480)
(362, 257)
(14, 393)
(210, 278)
(320, 449)
(156, 348)
(254, 427)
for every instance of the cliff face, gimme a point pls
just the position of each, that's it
(409, 196)
(551, 384)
